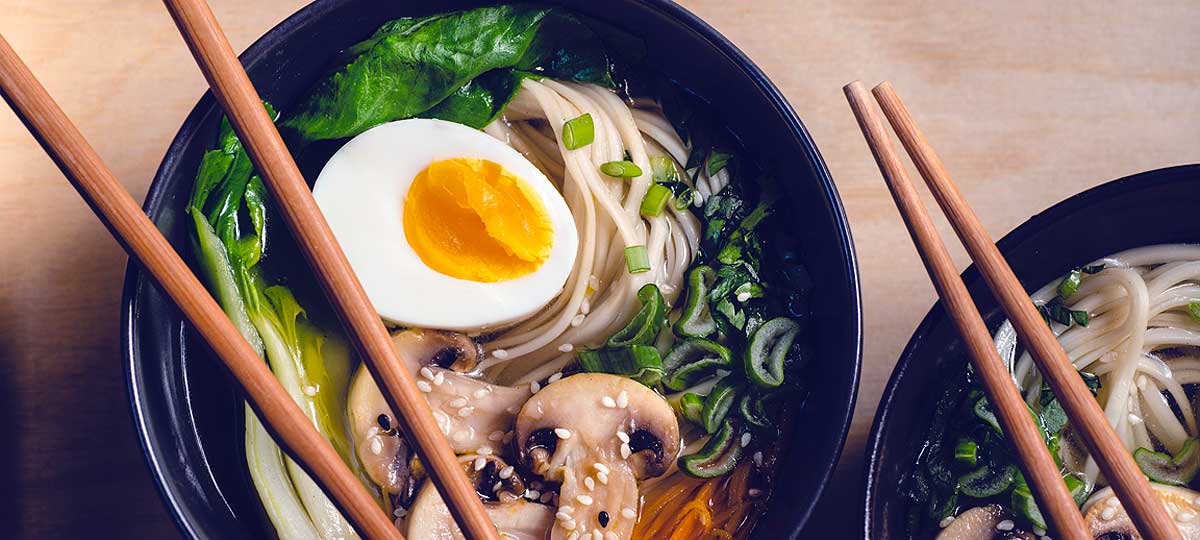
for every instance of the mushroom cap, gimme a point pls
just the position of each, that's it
(577, 404)
(980, 523)
(519, 519)
(1106, 518)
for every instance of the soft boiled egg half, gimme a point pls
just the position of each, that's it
(446, 226)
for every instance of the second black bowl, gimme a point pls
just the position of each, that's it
(1156, 207)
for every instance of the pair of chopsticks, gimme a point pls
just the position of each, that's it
(1115, 461)
(96, 183)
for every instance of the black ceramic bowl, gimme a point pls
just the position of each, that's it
(186, 406)
(1155, 207)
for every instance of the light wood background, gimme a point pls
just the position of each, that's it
(1027, 101)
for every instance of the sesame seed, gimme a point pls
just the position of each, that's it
(1044, 538)
(563, 516)
(427, 373)
(400, 511)
(506, 473)
(555, 378)
(594, 282)
(480, 463)
(743, 296)
(589, 483)
(496, 487)
(623, 399)
(496, 436)
(569, 525)
(608, 402)
(609, 535)
(1185, 516)
(532, 494)
(484, 450)
(758, 459)
(481, 393)
(583, 499)
(376, 446)
(466, 411)
(754, 492)
(602, 477)
(745, 440)
(563, 433)
(566, 347)
(534, 387)
(500, 354)
(577, 319)
(1135, 419)
(600, 467)
(596, 535)
(628, 513)
(1141, 381)
(625, 451)
(424, 386)
(1038, 531)
(1006, 525)
(439, 379)
(567, 509)
(573, 536)
(310, 390)
(458, 403)
(1112, 501)
(946, 521)
(623, 436)
(585, 306)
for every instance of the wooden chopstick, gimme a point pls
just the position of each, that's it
(130, 226)
(1040, 469)
(1087, 418)
(233, 90)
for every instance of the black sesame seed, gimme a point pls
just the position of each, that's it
(384, 422)
(603, 518)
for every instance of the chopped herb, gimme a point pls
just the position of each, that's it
(637, 259)
(578, 132)
(621, 169)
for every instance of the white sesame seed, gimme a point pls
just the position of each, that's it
(1185, 516)
(583, 499)
(745, 440)
(439, 379)
(1006, 525)
(427, 373)
(500, 354)
(1141, 381)
(563, 516)
(458, 403)
(569, 525)
(625, 451)
(594, 282)
(573, 536)
(623, 436)
(623, 399)
(609, 535)
(1038, 531)
(596, 535)
(532, 494)
(376, 445)
(602, 477)
(563, 433)
(1135, 419)
(1045, 538)
(480, 394)
(743, 296)
(480, 463)
(484, 450)
(506, 472)
(466, 411)
(608, 402)
(310, 390)
(546, 497)
(758, 459)
(1112, 501)
(534, 387)
(600, 467)
(555, 378)
(566, 347)
(628, 513)
(589, 484)
(461, 435)
(424, 386)
(400, 511)
(496, 436)
(754, 492)
(567, 509)
(496, 487)
(946, 521)
(577, 319)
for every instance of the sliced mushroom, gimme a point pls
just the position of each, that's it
(500, 486)
(474, 415)
(1106, 518)
(983, 523)
(597, 435)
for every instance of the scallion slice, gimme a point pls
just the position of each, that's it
(656, 200)
(621, 169)
(578, 132)
(1194, 311)
(718, 456)
(637, 259)
(696, 320)
(644, 326)
(767, 350)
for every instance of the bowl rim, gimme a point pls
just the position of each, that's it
(156, 200)
(936, 315)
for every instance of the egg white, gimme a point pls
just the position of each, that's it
(361, 191)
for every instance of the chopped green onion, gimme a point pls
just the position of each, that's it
(716, 161)
(966, 452)
(1070, 284)
(754, 410)
(1178, 470)
(718, 456)
(1024, 504)
(664, 170)
(639, 362)
(696, 320)
(644, 326)
(986, 481)
(656, 200)
(1194, 311)
(685, 199)
(693, 360)
(767, 350)
(718, 404)
(637, 259)
(621, 169)
(578, 132)
(690, 405)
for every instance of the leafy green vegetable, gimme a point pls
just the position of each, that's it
(1177, 470)
(462, 67)
(1070, 284)
(639, 362)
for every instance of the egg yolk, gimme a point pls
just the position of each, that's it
(472, 219)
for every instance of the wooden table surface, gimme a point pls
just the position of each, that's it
(1027, 101)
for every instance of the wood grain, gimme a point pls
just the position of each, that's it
(1039, 466)
(1074, 93)
(124, 218)
(294, 200)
